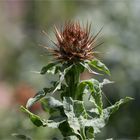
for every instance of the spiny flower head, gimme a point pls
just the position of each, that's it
(74, 43)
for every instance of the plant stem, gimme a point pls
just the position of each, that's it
(72, 79)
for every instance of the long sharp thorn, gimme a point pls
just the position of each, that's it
(49, 37)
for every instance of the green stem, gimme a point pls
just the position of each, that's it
(82, 131)
(72, 79)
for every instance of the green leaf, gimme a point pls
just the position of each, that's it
(50, 68)
(79, 109)
(37, 97)
(81, 90)
(105, 82)
(75, 111)
(112, 109)
(62, 76)
(65, 129)
(86, 65)
(36, 120)
(99, 65)
(99, 123)
(55, 109)
(51, 103)
(89, 132)
(21, 136)
(95, 91)
(55, 123)
(97, 96)
(96, 123)
(69, 111)
(92, 113)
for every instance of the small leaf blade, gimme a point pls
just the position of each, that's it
(48, 68)
(36, 120)
(62, 76)
(86, 66)
(99, 65)
(51, 103)
(37, 97)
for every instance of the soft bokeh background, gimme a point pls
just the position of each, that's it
(21, 25)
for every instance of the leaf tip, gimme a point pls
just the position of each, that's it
(22, 108)
(129, 98)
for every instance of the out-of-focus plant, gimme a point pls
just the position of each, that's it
(74, 53)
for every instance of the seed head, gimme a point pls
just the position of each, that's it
(74, 43)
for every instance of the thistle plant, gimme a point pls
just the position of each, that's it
(74, 52)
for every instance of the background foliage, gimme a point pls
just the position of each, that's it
(20, 54)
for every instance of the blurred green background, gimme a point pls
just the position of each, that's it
(21, 25)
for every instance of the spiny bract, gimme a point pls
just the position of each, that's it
(74, 43)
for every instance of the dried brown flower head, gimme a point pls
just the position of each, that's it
(74, 43)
